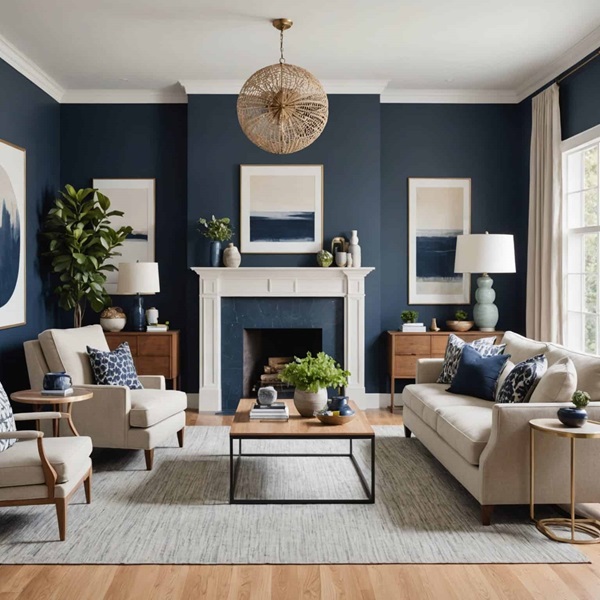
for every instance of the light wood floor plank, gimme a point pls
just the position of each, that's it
(250, 582)
(135, 582)
(207, 582)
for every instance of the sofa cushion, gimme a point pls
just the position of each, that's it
(586, 365)
(522, 380)
(466, 428)
(454, 350)
(557, 384)
(508, 367)
(114, 367)
(65, 350)
(425, 399)
(21, 464)
(7, 420)
(149, 407)
(521, 348)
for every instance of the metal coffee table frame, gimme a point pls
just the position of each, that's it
(235, 464)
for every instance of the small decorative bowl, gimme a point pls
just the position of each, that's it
(571, 416)
(112, 324)
(334, 420)
(460, 325)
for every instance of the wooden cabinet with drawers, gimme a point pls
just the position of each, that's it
(405, 349)
(154, 353)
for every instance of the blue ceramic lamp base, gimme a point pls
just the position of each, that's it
(137, 318)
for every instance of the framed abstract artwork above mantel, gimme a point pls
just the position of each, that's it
(12, 235)
(281, 209)
(439, 210)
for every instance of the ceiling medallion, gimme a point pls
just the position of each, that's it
(282, 108)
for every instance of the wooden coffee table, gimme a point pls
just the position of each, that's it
(298, 428)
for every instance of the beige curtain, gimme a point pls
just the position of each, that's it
(545, 319)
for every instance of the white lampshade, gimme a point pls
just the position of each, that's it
(485, 253)
(138, 278)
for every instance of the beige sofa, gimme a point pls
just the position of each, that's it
(116, 417)
(485, 446)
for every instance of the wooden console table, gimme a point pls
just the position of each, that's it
(406, 348)
(154, 353)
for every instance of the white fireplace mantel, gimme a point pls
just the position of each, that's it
(279, 282)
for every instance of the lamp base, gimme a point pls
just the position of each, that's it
(137, 318)
(485, 312)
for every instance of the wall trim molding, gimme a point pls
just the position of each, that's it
(124, 97)
(398, 96)
(24, 65)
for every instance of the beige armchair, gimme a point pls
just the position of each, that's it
(116, 417)
(38, 470)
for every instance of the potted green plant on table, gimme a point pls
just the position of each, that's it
(311, 376)
(409, 316)
(81, 243)
(217, 231)
(575, 416)
(460, 323)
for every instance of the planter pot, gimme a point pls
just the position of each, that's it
(572, 416)
(307, 403)
(460, 325)
(114, 324)
(215, 254)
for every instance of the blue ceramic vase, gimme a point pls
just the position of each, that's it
(57, 381)
(572, 416)
(215, 254)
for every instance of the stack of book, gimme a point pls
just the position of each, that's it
(278, 411)
(157, 327)
(413, 327)
(58, 393)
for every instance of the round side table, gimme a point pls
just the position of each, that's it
(39, 400)
(590, 527)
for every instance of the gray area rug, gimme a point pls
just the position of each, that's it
(179, 512)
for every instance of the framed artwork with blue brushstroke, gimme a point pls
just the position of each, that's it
(12, 235)
(281, 209)
(438, 211)
(136, 198)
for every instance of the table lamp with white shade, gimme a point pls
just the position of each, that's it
(136, 279)
(485, 253)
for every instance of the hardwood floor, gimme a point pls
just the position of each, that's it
(301, 582)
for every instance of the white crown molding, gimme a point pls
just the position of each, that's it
(211, 86)
(29, 69)
(397, 96)
(579, 51)
(124, 97)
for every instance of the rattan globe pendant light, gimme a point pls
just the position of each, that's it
(282, 108)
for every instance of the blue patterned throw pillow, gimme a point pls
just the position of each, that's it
(521, 381)
(454, 349)
(7, 421)
(114, 368)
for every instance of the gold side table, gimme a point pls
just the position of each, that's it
(590, 527)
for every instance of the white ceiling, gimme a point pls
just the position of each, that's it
(468, 45)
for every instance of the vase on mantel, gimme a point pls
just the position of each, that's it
(354, 249)
(215, 254)
(232, 257)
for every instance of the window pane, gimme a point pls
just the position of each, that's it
(591, 207)
(575, 292)
(574, 210)
(591, 294)
(575, 253)
(591, 252)
(590, 167)
(574, 172)
(591, 334)
(575, 331)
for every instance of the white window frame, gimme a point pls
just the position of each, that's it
(572, 145)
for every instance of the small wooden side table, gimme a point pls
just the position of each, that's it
(38, 400)
(590, 527)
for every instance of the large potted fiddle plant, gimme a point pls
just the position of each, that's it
(81, 242)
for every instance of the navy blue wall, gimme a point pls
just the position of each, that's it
(349, 149)
(137, 141)
(30, 119)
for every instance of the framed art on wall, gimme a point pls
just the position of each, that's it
(12, 235)
(136, 198)
(281, 209)
(438, 211)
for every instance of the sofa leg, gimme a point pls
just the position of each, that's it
(486, 514)
(61, 514)
(180, 435)
(149, 455)
(407, 432)
(87, 485)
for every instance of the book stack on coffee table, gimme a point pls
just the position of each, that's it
(278, 411)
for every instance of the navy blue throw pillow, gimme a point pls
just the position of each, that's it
(114, 368)
(477, 375)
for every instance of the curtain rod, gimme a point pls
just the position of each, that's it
(575, 69)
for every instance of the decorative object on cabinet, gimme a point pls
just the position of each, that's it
(434, 325)
(152, 316)
(232, 257)
(341, 258)
(136, 199)
(439, 210)
(338, 244)
(12, 235)
(281, 209)
(324, 258)
(113, 319)
(409, 316)
(79, 220)
(354, 249)
(137, 279)
(460, 323)
(485, 253)
(217, 231)
(267, 395)
(282, 108)
(406, 348)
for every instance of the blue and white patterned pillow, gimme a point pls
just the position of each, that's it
(454, 349)
(114, 368)
(521, 381)
(7, 420)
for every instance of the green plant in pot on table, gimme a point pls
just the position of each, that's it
(311, 376)
(460, 323)
(217, 231)
(575, 416)
(409, 316)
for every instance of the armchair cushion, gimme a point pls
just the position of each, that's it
(7, 420)
(21, 464)
(65, 350)
(114, 367)
(149, 407)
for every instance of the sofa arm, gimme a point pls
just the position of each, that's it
(153, 382)
(428, 370)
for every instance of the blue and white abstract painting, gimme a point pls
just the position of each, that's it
(12, 235)
(281, 209)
